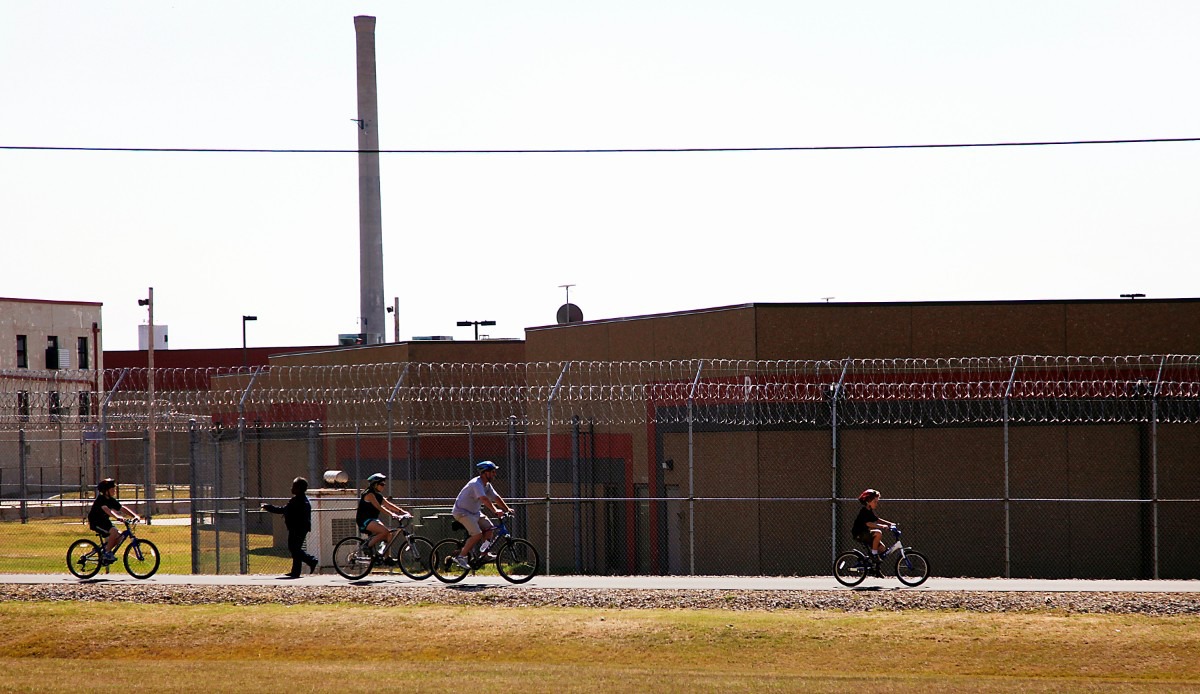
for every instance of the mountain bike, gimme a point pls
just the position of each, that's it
(353, 559)
(515, 558)
(852, 567)
(85, 559)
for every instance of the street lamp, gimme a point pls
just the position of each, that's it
(245, 362)
(476, 323)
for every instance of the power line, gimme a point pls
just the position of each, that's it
(643, 150)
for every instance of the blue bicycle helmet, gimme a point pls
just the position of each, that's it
(485, 465)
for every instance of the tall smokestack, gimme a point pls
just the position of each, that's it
(370, 214)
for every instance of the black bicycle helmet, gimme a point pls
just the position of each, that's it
(105, 484)
(376, 478)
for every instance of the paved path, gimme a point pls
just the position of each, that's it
(641, 582)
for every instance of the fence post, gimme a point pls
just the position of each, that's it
(575, 491)
(1007, 494)
(106, 449)
(243, 536)
(22, 460)
(193, 492)
(549, 422)
(241, 460)
(520, 480)
(1154, 467)
(314, 472)
(692, 473)
(833, 474)
(413, 452)
(218, 497)
(147, 452)
(391, 401)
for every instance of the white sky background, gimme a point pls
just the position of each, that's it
(475, 237)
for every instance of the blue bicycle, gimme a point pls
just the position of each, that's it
(515, 559)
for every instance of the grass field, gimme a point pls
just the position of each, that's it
(230, 648)
(40, 546)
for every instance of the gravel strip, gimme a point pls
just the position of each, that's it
(1159, 604)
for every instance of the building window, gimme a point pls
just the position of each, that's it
(55, 404)
(82, 348)
(23, 405)
(22, 352)
(52, 352)
(85, 404)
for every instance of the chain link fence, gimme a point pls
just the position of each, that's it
(1019, 466)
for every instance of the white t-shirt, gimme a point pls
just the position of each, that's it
(469, 499)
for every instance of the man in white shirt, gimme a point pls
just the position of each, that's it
(468, 508)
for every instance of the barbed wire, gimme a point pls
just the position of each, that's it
(452, 396)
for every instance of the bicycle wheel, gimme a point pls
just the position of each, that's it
(442, 559)
(83, 558)
(912, 569)
(414, 558)
(517, 560)
(141, 559)
(850, 569)
(351, 559)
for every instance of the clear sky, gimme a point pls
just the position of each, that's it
(492, 236)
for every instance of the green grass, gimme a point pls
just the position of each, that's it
(40, 546)
(232, 648)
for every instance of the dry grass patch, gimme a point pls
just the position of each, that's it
(239, 648)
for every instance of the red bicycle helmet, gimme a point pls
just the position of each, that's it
(867, 495)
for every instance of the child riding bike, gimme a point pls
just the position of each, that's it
(868, 526)
(104, 509)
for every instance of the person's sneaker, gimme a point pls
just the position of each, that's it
(488, 556)
(107, 557)
(312, 565)
(462, 561)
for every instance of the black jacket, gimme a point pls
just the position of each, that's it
(297, 515)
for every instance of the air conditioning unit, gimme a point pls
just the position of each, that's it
(333, 519)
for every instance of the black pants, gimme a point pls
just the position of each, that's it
(299, 556)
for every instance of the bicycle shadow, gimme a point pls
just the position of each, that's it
(367, 582)
(474, 587)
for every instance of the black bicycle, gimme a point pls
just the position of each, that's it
(85, 558)
(911, 567)
(515, 558)
(410, 553)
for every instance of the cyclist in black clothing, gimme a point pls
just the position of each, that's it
(297, 516)
(104, 509)
(868, 527)
(370, 504)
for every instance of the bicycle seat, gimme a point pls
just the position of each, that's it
(455, 525)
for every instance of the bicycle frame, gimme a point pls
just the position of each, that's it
(85, 558)
(353, 560)
(854, 565)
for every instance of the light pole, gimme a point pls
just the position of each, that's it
(476, 323)
(245, 361)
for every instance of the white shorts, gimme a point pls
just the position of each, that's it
(474, 524)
